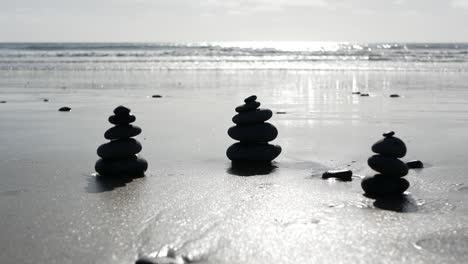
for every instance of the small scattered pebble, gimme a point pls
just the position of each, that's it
(394, 95)
(415, 164)
(2, 102)
(45, 100)
(364, 94)
(356, 92)
(281, 112)
(156, 96)
(344, 175)
(65, 109)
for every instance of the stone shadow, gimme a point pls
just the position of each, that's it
(100, 184)
(245, 168)
(396, 203)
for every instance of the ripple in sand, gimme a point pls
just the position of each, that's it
(452, 243)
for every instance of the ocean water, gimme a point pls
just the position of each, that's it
(440, 57)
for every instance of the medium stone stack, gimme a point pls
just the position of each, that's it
(392, 170)
(119, 156)
(254, 133)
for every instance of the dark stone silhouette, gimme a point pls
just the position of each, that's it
(415, 164)
(254, 134)
(119, 156)
(389, 181)
(394, 95)
(364, 94)
(3, 102)
(65, 109)
(156, 96)
(343, 175)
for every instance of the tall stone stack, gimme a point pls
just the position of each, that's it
(254, 133)
(119, 156)
(391, 170)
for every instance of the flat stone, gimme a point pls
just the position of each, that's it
(380, 185)
(250, 99)
(123, 131)
(121, 110)
(65, 109)
(248, 107)
(263, 132)
(344, 175)
(45, 100)
(156, 96)
(132, 166)
(252, 117)
(118, 149)
(364, 94)
(394, 95)
(388, 166)
(390, 146)
(415, 164)
(253, 152)
(121, 119)
(356, 93)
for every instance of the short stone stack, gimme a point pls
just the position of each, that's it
(390, 181)
(119, 156)
(254, 133)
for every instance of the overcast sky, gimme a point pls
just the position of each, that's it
(234, 20)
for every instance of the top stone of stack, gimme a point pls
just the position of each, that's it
(390, 146)
(122, 116)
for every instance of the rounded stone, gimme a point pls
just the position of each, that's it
(394, 95)
(248, 107)
(121, 119)
(123, 131)
(253, 152)
(390, 146)
(263, 132)
(118, 149)
(252, 117)
(65, 109)
(364, 94)
(250, 99)
(156, 96)
(130, 167)
(380, 185)
(121, 110)
(388, 166)
(415, 164)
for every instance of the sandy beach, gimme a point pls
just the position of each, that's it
(54, 210)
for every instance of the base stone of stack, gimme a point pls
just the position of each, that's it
(128, 167)
(253, 152)
(379, 185)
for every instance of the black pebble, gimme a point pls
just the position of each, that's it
(364, 94)
(356, 93)
(344, 175)
(415, 164)
(45, 100)
(65, 109)
(281, 113)
(248, 107)
(394, 95)
(250, 99)
(121, 110)
(121, 119)
(156, 96)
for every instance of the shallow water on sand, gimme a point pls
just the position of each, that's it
(54, 207)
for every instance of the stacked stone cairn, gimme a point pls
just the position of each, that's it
(254, 133)
(389, 181)
(119, 156)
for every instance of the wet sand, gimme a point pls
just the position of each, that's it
(53, 210)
